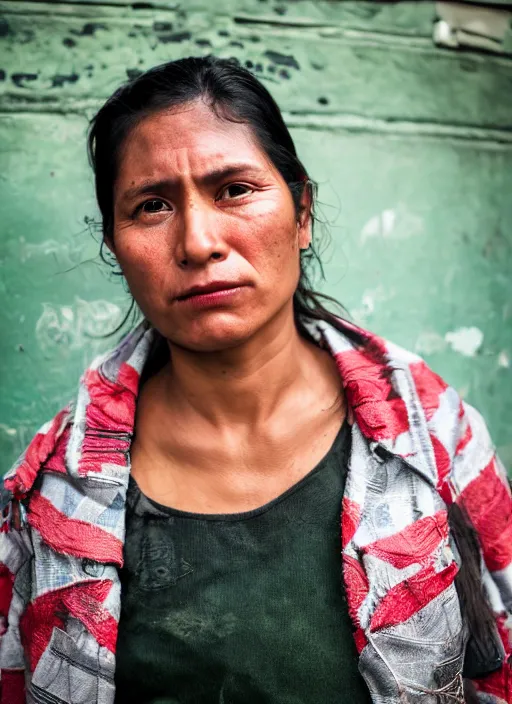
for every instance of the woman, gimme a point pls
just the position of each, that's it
(190, 497)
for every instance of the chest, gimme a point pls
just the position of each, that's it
(204, 471)
(245, 607)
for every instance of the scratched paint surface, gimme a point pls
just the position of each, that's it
(411, 146)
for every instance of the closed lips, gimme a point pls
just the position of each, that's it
(209, 288)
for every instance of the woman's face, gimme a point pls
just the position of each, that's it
(197, 204)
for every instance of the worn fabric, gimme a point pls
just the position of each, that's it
(219, 608)
(416, 447)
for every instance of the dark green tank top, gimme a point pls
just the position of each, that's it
(243, 608)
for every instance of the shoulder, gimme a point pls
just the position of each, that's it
(107, 391)
(374, 357)
(469, 471)
(395, 393)
(47, 446)
(458, 432)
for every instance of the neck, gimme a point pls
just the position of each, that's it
(244, 385)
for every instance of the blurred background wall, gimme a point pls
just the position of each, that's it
(401, 111)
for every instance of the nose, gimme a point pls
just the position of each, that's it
(200, 238)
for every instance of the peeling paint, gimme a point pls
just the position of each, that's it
(369, 301)
(89, 29)
(19, 79)
(467, 341)
(177, 37)
(347, 57)
(71, 251)
(393, 223)
(503, 360)
(64, 328)
(282, 59)
(430, 342)
(59, 80)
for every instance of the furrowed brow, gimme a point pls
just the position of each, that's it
(150, 187)
(208, 179)
(229, 171)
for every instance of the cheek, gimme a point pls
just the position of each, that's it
(138, 258)
(272, 245)
(146, 272)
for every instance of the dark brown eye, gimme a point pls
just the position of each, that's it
(234, 190)
(153, 206)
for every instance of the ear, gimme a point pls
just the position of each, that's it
(305, 220)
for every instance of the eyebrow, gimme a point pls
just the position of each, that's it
(208, 179)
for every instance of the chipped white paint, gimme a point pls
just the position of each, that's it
(398, 223)
(467, 341)
(76, 326)
(39, 249)
(8, 430)
(72, 251)
(430, 343)
(369, 300)
(379, 226)
(503, 360)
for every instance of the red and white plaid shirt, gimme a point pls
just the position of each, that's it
(416, 448)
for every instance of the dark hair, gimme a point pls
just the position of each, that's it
(236, 95)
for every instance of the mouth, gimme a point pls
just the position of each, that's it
(213, 287)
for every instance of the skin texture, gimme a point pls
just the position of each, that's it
(246, 407)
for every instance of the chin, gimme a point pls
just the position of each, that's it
(214, 336)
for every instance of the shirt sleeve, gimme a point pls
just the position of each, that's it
(15, 589)
(480, 486)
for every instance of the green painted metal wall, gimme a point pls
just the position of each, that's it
(411, 145)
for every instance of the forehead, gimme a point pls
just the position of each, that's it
(188, 138)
